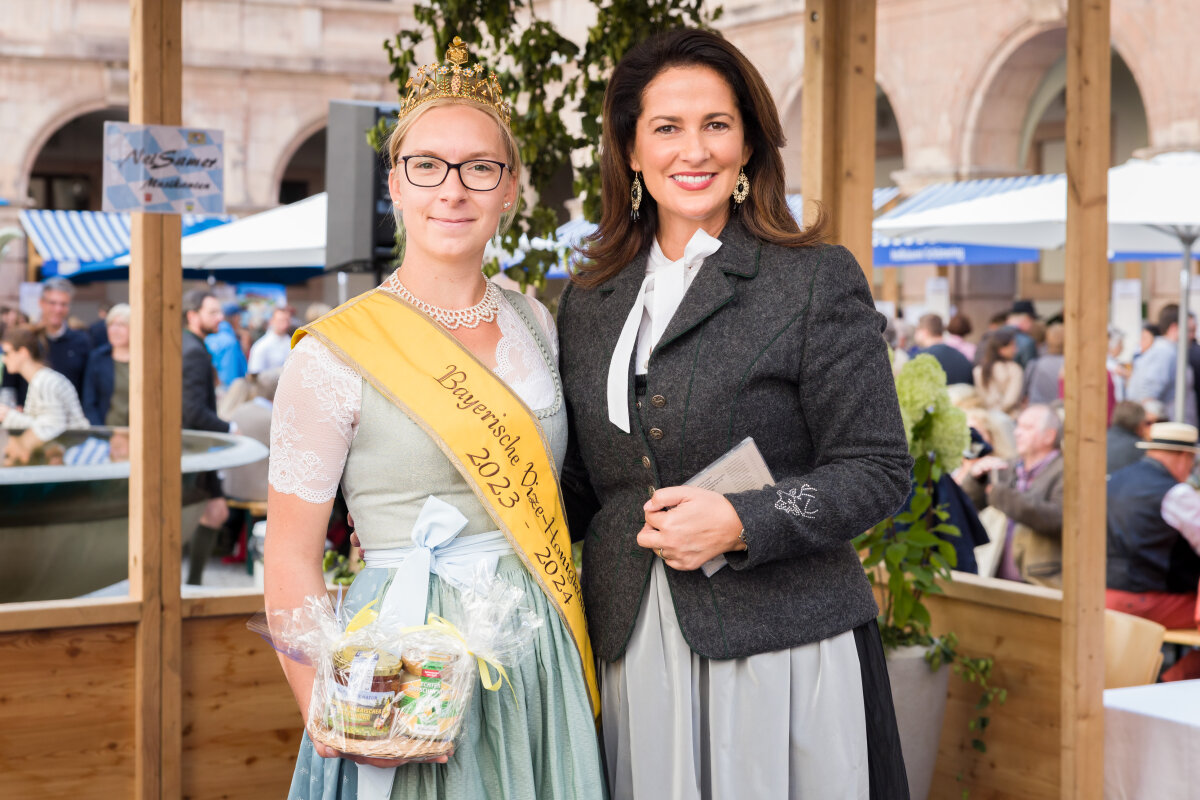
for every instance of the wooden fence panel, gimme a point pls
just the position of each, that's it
(1021, 629)
(67, 701)
(241, 727)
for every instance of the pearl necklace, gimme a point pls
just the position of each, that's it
(451, 318)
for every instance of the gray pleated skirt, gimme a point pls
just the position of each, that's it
(785, 724)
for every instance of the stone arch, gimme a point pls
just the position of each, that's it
(991, 139)
(889, 151)
(67, 112)
(79, 157)
(996, 126)
(294, 145)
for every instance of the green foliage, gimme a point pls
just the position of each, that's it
(908, 554)
(910, 546)
(339, 565)
(547, 80)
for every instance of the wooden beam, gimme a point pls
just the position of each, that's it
(838, 126)
(155, 84)
(1089, 56)
(891, 286)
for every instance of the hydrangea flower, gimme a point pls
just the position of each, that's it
(919, 384)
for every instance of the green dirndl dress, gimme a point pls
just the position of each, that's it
(541, 744)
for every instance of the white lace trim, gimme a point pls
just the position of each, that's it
(319, 399)
(313, 423)
(519, 361)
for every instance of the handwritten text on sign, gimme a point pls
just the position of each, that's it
(513, 478)
(163, 170)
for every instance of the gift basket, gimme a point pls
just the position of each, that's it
(387, 690)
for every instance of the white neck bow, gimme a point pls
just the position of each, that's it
(661, 292)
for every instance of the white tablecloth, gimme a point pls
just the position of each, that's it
(1152, 742)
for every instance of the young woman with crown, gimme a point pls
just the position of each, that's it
(434, 400)
(721, 320)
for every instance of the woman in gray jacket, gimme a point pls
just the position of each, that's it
(704, 315)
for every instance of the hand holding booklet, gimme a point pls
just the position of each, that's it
(742, 469)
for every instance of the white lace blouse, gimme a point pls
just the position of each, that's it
(319, 398)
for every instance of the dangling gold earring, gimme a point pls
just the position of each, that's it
(741, 190)
(635, 196)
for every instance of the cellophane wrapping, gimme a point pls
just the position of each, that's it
(388, 691)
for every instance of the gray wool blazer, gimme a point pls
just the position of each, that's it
(781, 344)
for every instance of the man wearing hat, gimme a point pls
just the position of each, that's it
(1154, 531)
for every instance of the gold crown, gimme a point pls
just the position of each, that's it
(452, 79)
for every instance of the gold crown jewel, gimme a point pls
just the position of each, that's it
(454, 79)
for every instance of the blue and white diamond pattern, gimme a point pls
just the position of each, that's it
(163, 170)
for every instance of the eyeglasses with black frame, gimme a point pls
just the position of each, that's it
(478, 175)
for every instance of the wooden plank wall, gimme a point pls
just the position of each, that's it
(68, 704)
(1020, 627)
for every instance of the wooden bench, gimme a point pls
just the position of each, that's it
(1184, 636)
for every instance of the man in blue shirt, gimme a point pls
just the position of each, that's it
(225, 349)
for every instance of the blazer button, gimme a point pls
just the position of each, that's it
(656, 433)
(650, 491)
(646, 462)
(658, 400)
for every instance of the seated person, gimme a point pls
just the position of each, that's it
(1030, 493)
(1154, 535)
(51, 402)
(1129, 429)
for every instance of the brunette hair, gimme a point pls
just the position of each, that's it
(959, 325)
(619, 239)
(30, 338)
(1002, 337)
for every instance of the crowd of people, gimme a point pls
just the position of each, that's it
(60, 375)
(1012, 393)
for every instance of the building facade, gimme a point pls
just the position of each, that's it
(965, 89)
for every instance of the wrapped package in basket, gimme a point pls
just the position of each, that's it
(403, 700)
(390, 691)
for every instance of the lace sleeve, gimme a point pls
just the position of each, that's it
(546, 321)
(313, 422)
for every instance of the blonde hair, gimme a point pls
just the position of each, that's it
(121, 312)
(512, 153)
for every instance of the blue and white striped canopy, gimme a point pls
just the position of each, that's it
(82, 244)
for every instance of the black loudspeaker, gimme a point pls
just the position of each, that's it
(360, 228)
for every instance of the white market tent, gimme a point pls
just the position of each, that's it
(1153, 209)
(288, 241)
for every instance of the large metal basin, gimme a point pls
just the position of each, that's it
(64, 506)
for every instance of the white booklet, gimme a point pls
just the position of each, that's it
(742, 469)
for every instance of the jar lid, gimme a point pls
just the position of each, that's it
(388, 664)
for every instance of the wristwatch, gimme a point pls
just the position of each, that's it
(742, 538)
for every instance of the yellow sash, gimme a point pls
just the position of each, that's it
(487, 432)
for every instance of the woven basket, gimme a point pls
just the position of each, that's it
(395, 747)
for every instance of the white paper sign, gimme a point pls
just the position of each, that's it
(937, 297)
(163, 170)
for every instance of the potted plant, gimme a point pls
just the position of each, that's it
(906, 557)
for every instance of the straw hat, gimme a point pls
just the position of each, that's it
(1172, 436)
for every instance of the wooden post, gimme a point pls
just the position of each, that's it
(1086, 314)
(155, 81)
(838, 128)
(891, 286)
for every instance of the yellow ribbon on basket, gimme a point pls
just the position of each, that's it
(441, 625)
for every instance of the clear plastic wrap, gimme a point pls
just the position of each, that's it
(390, 691)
